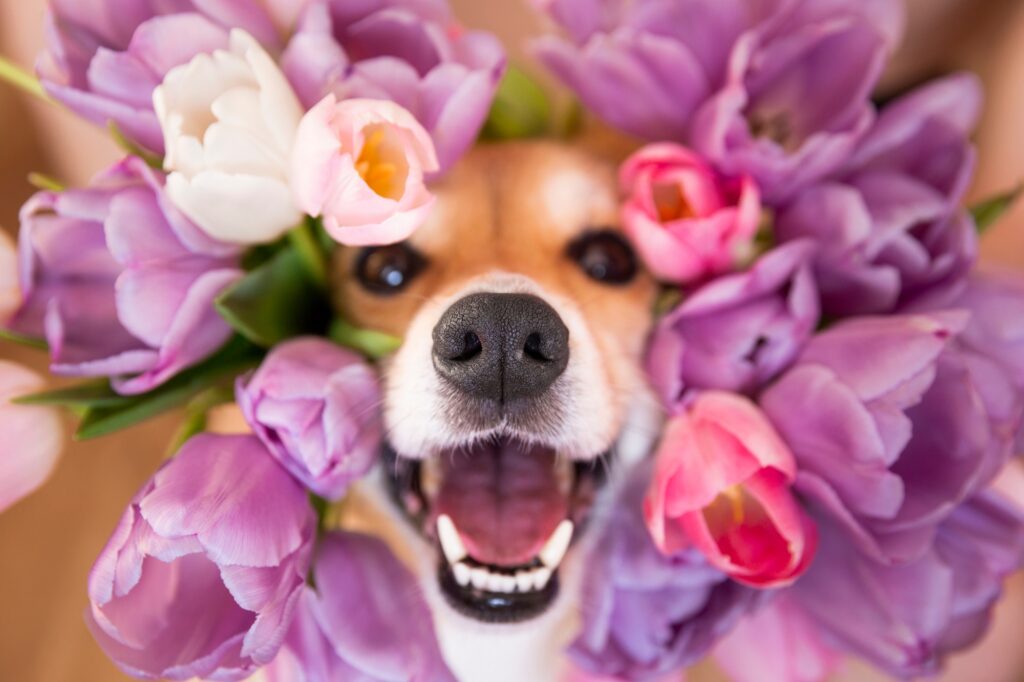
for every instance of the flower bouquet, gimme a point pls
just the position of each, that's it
(830, 388)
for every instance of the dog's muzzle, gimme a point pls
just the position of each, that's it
(502, 506)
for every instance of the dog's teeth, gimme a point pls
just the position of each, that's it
(508, 583)
(494, 582)
(479, 578)
(462, 574)
(541, 576)
(557, 545)
(451, 543)
(524, 581)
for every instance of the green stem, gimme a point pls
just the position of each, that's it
(22, 79)
(122, 141)
(304, 240)
(45, 182)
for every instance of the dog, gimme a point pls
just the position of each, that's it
(516, 396)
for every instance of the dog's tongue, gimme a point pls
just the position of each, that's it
(504, 499)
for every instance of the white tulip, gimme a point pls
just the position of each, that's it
(229, 121)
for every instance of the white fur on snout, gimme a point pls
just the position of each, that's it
(587, 418)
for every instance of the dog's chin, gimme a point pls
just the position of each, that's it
(502, 513)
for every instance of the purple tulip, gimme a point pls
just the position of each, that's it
(907, 618)
(119, 282)
(407, 51)
(993, 340)
(316, 408)
(796, 100)
(644, 614)
(737, 332)
(995, 299)
(890, 227)
(645, 67)
(203, 573)
(893, 426)
(365, 620)
(105, 57)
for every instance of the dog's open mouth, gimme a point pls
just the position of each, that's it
(503, 514)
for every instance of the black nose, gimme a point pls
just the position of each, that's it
(501, 347)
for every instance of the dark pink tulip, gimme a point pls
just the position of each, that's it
(687, 221)
(722, 485)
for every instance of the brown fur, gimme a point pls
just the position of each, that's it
(491, 214)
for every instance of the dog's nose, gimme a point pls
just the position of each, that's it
(501, 347)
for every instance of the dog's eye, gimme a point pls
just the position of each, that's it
(605, 256)
(388, 269)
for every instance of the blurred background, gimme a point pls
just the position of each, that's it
(48, 542)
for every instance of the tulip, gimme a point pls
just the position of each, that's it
(907, 618)
(737, 332)
(722, 484)
(645, 67)
(890, 227)
(646, 616)
(104, 58)
(365, 620)
(995, 299)
(994, 338)
(687, 221)
(229, 122)
(32, 436)
(119, 282)
(410, 52)
(893, 426)
(361, 164)
(316, 408)
(780, 117)
(203, 573)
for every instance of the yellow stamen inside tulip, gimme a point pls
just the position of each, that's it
(375, 168)
(735, 498)
(671, 204)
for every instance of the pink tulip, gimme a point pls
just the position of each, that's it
(687, 221)
(360, 164)
(32, 437)
(722, 484)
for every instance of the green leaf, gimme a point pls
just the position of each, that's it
(370, 343)
(306, 242)
(521, 109)
(988, 212)
(276, 301)
(85, 395)
(196, 415)
(22, 340)
(236, 357)
(194, 423)
(22, 79)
